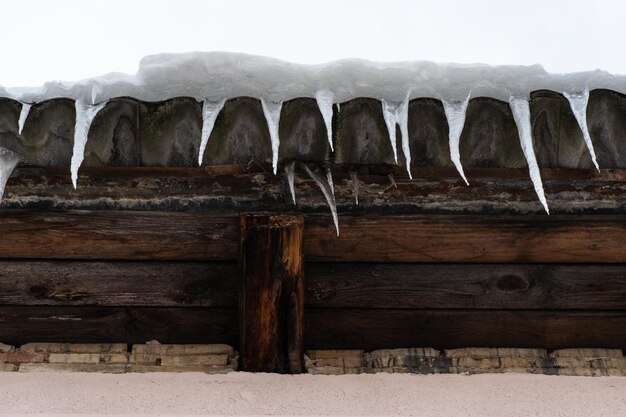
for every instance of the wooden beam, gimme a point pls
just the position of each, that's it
(68, 324)
(117, 235)
(155, 284)
(465, 286)
(130, 235)
(475, 239)
(271, 301)
(379, 329)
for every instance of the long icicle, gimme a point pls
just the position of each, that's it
(271, 110)
(330, 199)
(85, 114)
(455, 114)
(210, 111)
(290, 171)
(23, 116)
(324, 100)
(402, 117)
(578, 104)
(391, 117)
(521, 114)
(8, 162)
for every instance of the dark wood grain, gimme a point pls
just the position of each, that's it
(377, 329)
(20, 324)
(417, 238)
(117, 235)
(271, 293)
(476, 239)
(181, 284)
(465, 286)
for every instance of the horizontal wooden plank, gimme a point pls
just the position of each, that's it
(374, 238)
(377, 329)
(190, 284)
(117, 235)
(327, 285)
(465, 286)
(481, 239)
(20, 324)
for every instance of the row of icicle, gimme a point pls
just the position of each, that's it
(394, 113)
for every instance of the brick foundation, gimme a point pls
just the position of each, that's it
(219, 358)
(116, 358)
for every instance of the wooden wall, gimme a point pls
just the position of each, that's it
(484, 276)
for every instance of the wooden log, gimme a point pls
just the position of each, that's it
(117, 235)
(250, 188)
(130, 235)
(465, 286)
(68, 324)
(371, 329)
(157, 284)
(271, 301)
(474, 239)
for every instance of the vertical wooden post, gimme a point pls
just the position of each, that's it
(271, 294)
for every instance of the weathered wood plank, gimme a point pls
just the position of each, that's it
(377, 329)
(465, 286)
(549, 239)
(117, 235)
(20, 324)
(255, 188)
(271, 293)
(417, 238)
(181, 284)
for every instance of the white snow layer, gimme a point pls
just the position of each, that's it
(219, 75)
(455, 114)
(521, 114)
(210, 111)
(578, 103)
(85, 114)
(8, 161)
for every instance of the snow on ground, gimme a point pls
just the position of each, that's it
(242, 393)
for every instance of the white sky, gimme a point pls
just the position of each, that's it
(75, 39)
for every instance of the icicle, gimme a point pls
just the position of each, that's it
(398, 113)
(290, 170)
(338, 107)
(329, 178)
(578, 103)
(23, 116)
(355, 186)
(403, 122)
(8, 161)
(392, 180)
(325, 103)
(272, 115)
(85, 114)
(330, 199)
(391, 118)
(521, 114)
(455, 114)
(210, 111)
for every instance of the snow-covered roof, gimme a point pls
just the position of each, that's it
(217, 76)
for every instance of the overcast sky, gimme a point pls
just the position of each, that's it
(75, 39)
